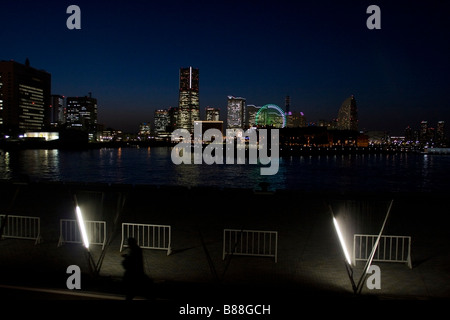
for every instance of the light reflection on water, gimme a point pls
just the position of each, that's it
(369, 172)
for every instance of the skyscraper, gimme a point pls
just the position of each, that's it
(82, 113)
(161, 121)
(440, 132)
(173, 118)
(250, 118)
(348, 115)
(188, 102)
(423, 132)
(24, 97)
(56, 113)
(236, 110)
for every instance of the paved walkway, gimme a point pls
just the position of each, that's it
(310, 261)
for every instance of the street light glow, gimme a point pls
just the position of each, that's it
(82, 228)
(341, 239)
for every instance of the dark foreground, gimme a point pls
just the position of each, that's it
(310, 264)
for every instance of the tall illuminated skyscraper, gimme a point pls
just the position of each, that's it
(188, 102)
(348, 115)
(236, 109)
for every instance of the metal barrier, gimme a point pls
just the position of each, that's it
(250, 243)
(69, 232)
(22, 227)
(390, 248)
(148, 236)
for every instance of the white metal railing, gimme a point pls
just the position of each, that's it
(22, 227)
(148, 236)
(390, 248)
(250, 243)
(69, 232)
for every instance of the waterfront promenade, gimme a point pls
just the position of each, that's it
(310, 261)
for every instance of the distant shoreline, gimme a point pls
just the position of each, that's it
(284, 150)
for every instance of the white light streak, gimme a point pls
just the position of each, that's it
(190, 77)
(341, 239)
(82, 228)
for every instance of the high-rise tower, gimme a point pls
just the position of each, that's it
(348, 115)
(82, 113)
(188, 102)
(236, 110)
(24, 97)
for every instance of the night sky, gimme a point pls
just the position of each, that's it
(128, 54)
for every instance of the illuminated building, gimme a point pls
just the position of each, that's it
(144, 129)
(161, 121)
(236, 110)
(212, 114)
(252, 110)
(188, 102)
(295, 119)
(24, 97)
(348, 115)
(423, 131)
(377, 137)
(81, 113)
(57, 112)
(440, 132)
(173, 119)
(47, 136)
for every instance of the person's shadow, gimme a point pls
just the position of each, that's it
(136, 282)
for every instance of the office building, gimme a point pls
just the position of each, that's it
(188, 102)
(173, 118)
(24, 97)
(81, 113)
(236, 111)
(295, 119)
(144, 129)
(251, 111)
(423, 131)
(57, 111)
(440, 132)
(161, 121)
(212, 114)
(348, 115)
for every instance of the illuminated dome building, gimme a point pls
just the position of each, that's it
(348, 115)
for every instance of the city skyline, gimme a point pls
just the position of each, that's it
(129, 55)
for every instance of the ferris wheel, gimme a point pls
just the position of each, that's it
(271, 115)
